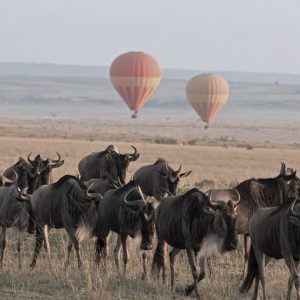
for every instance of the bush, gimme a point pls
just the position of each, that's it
(205, 184)
(164, 140)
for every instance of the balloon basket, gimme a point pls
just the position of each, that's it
(134, 116)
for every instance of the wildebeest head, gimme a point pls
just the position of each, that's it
(170, 178)
(16, 174)
(40, 169)
(225, 221)
(146, 215)
(121, 162)
(290, 176)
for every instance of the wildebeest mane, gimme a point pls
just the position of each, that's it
(160, 160)
(190, 206)
(118, 192)
(262, 192)
(21, 159)
(283, 206)
(293, 230)
(65, 178)
(104, 152)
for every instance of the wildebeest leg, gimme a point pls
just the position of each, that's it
(101, 250)
(19, 244)
(256, 286)
(290, 282)
(260, 258)
(2, 245)
(44, 232)
(38, 246)
(201, 276)
(144, 259)
(117, 252)
(210, 267)
(191, 257)
(159, 260)
(247, 243)
(294, 278)
(172, 256)
(72, 237)
(125, 252)
(70, 246)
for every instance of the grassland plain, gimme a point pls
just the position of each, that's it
(213, 166)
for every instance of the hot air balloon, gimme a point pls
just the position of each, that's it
(135, 76)
(207, 93)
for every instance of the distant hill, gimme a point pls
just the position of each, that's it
(57, 70)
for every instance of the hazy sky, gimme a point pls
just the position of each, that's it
(237, 35)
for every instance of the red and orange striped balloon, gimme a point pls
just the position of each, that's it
(207, 93)
(135, 76)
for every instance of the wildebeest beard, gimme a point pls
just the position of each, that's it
(122, 165)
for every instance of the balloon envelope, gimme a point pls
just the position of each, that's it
(135, 76)
(207, 93)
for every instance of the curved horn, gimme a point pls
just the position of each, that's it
(178, 169)
(141, 193)
(133, 156)
(292, 212)
(282, 170)
(211, 202)
(28, 158)
(16, 175)
(237, 202)
(133, 204)
(8, 180)
(112, 149)
(135, 151)
(55, 160)
(92, 195)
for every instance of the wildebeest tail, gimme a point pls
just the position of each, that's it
(159, 258)
(252, 272)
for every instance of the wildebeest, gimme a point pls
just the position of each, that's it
(192, 222)
(159, 179)
(257, 193)
(13, 213)
(43, 168)
(39, 173)
(63, 204)
(125, 212)
(274, 232)
(109, 163)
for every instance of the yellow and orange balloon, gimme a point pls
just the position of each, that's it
(207, 93)
(135, 76)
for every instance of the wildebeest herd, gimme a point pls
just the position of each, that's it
(99, 201)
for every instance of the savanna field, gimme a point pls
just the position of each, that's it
(212, 167)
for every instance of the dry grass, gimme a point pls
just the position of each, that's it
(212, 167)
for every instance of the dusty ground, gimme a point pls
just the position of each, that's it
(215, 163)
